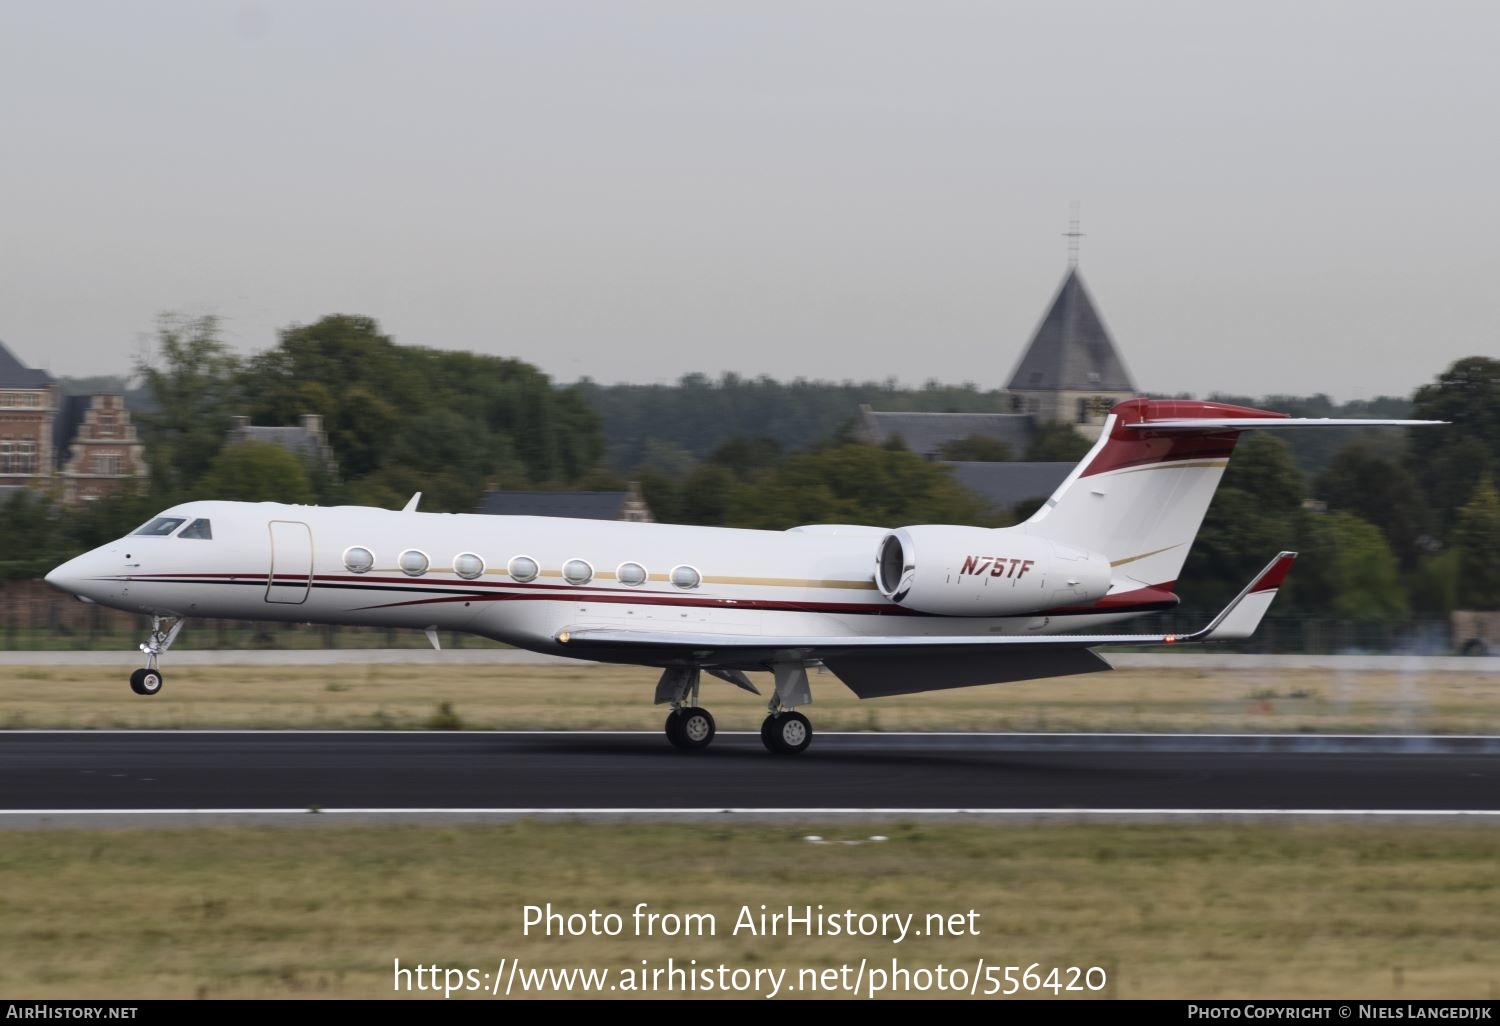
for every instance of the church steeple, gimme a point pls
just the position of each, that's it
(1071, 350)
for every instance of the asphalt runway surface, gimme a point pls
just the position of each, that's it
(50, 774)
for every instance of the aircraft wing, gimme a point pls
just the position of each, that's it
(902, 664)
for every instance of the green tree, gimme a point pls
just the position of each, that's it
(975, 449)
(1449, 461)
(1476, 538)
(191, 377)
(452, 422)
(710, 496)
(746, 456)
(1433, 586)
(662, 494)
(1367, 580)
(857, 484)
(34, 535)
(1372, 481)
(1262, 466)
(257, 472)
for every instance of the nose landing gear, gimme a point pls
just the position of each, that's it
(148, 679)
(145, 681)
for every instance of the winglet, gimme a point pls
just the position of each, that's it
(1240, 618)
(411, 504)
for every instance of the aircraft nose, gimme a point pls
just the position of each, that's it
(64, 577)
(71, 577)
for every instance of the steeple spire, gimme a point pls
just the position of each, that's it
(1073, 234)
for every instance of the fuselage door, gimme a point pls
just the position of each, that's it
(291, 562)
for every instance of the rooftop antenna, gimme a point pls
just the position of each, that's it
(1073, 234)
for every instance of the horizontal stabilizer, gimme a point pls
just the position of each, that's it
(1268, 423)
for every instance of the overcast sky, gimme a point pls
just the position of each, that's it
(1277, 197)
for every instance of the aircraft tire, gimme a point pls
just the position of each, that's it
(674, 730)
(145, 681)
(696, 728)
(787, 733)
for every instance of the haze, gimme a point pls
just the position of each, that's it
(1277, 197)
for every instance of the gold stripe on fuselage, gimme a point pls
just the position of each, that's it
(763, 582)
(1181, 465)
(1143, 555)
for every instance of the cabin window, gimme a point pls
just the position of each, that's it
(577, 571)
(523, 569)
(413, 562)
(467, 565)
(686, 577)
(198, 529)
(358, 559)
(632, 574)
(160, 527)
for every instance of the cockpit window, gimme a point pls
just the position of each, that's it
(199, 528)
(160, 527)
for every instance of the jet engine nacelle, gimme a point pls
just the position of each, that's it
(972, 571)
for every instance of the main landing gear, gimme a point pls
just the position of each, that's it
(786, 733)
(691, 727)
(164, 629)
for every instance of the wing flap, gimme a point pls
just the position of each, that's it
(879, 675)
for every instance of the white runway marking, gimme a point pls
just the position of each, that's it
(759, 811)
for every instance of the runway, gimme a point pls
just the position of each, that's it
(187, 775)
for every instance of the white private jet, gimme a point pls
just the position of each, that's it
(886, 611)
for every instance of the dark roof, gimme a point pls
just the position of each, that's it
(70, 413)
(14, 374)
(1071, 349)
(1004, 485)
(927, 433)
(578, 505)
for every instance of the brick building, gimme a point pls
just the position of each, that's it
(76, 448)
(28, 407)
(98, 451)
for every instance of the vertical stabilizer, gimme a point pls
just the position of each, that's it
(1140, 495)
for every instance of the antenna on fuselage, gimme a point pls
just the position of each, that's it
(411, 504)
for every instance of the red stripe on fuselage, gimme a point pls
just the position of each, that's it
(1141, 599)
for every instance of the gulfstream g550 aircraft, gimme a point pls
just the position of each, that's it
(888, 611)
